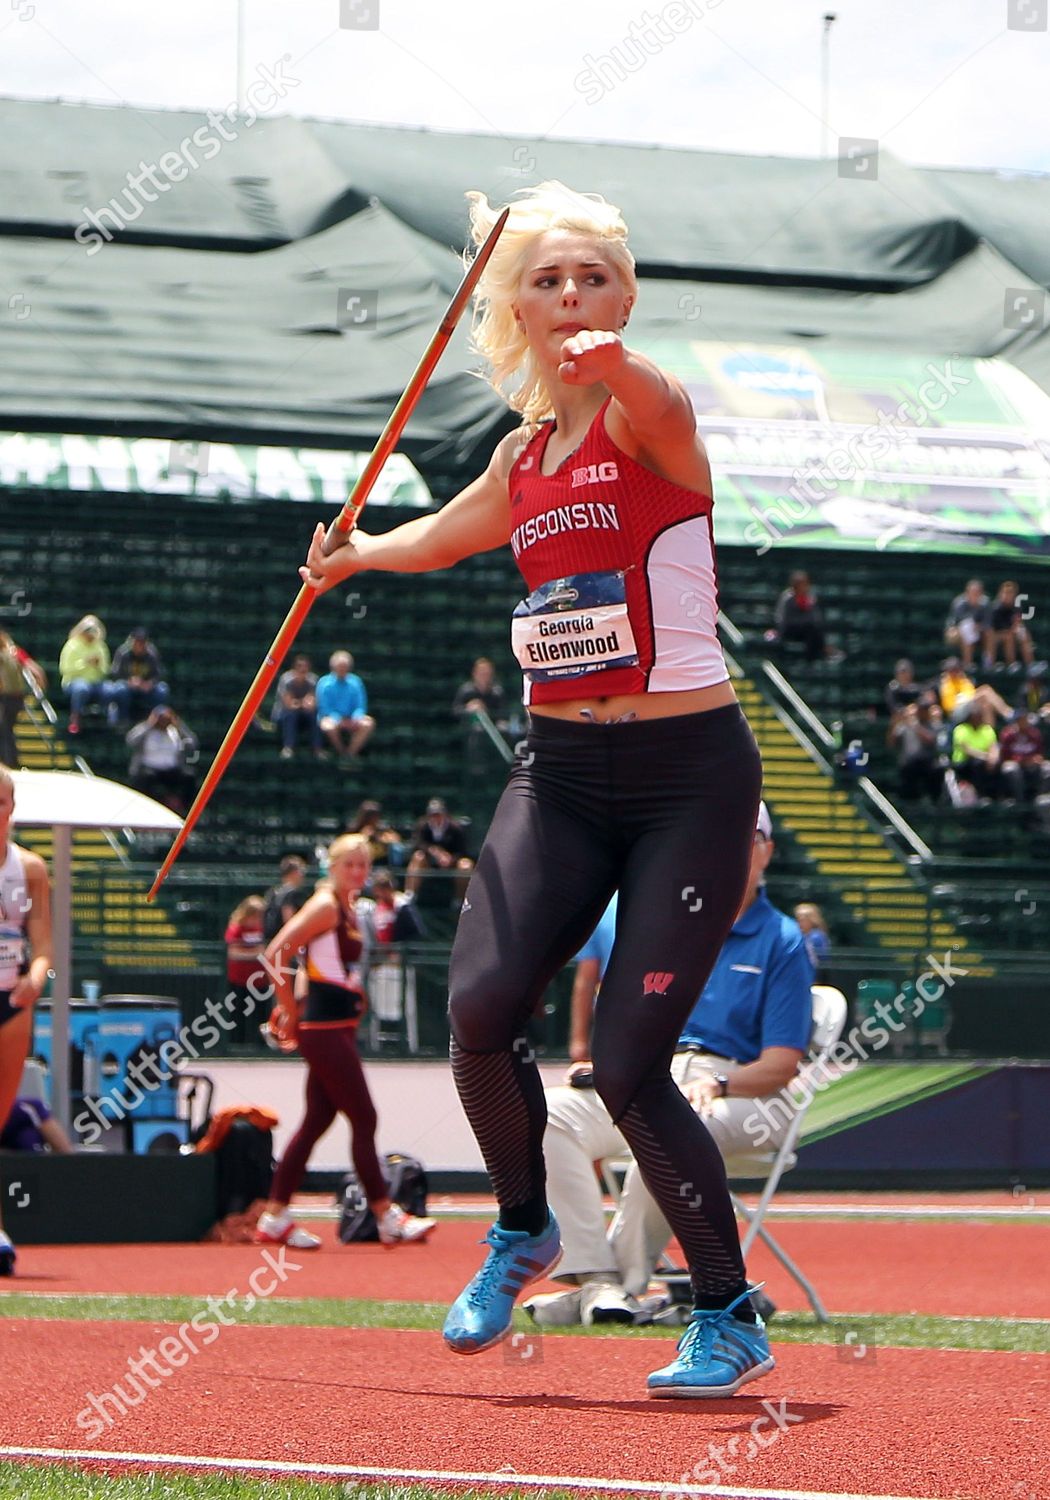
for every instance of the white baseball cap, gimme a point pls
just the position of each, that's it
(764, 826)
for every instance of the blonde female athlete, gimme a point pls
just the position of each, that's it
(25, 961)
(327, 928)
(639, 774)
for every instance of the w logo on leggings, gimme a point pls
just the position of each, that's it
(656, 983)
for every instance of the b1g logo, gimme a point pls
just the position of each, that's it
(603, 473)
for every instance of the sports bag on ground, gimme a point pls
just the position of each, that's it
(408, 1186)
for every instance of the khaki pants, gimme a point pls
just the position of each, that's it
(580, 1131)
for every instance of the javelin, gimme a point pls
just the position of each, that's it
(338, 535)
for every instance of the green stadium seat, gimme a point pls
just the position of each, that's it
(870, 994)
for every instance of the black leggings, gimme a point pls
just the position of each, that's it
(663, 810)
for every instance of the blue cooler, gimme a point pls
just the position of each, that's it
(158, 1137)
(83, 1029)
(131, 1027)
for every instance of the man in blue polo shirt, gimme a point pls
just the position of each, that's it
(744, 1040)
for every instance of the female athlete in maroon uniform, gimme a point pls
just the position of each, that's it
(326, 1031)
(25, 962)
(639, 774)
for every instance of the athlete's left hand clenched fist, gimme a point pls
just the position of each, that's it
(590, 356)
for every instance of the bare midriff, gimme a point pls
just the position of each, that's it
(642, 705)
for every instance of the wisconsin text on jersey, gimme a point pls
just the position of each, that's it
(584, 515)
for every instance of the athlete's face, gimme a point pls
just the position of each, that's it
(568, 284)
(349, 871)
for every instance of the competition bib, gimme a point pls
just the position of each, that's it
(574, 625)
(12, 959)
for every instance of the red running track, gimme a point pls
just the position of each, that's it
(952, 1269)
(939, 1423)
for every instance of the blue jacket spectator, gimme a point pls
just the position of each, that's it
(342, 708)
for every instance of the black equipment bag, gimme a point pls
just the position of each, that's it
(408, 1186)
(243, 1168)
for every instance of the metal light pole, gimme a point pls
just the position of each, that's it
(240, 56)
(825, 81)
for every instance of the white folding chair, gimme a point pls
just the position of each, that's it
(829, 1017)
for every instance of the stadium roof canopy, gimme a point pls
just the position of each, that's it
(275, 279)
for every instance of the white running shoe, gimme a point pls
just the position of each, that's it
(281, 1229)
(397, 1227)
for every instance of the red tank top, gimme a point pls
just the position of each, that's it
(620, 565)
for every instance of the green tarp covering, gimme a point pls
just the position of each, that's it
(273, 280)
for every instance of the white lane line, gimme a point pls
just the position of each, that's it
(446, 1476)
(786, 1211)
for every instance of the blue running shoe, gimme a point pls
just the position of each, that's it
(481, 1314)
(717, 1354)
(7, 1256)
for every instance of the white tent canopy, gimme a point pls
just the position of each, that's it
(62, 801)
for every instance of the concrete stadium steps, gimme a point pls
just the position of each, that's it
(111, 916)
(837, 844)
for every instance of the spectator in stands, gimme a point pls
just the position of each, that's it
(1032, 697)
(1022, 759)
(137, 678)
(481, 691)
(799, 617)
(342, 707)
(975, 752)
(295, 708)
(814, 930)
(958, 694)
(287, 897)
(480, 694)
(902, 688)
(15, 663)
(967, 621)
(915, 734)
(393, 915)
(384, 843)
(84, 665)
(1006, 629)
(439, 842)
(162, 751)
(245, 943)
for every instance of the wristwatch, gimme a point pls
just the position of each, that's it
(722, 1079)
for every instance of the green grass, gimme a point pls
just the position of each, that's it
(903, 1331)
(67, 1482)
